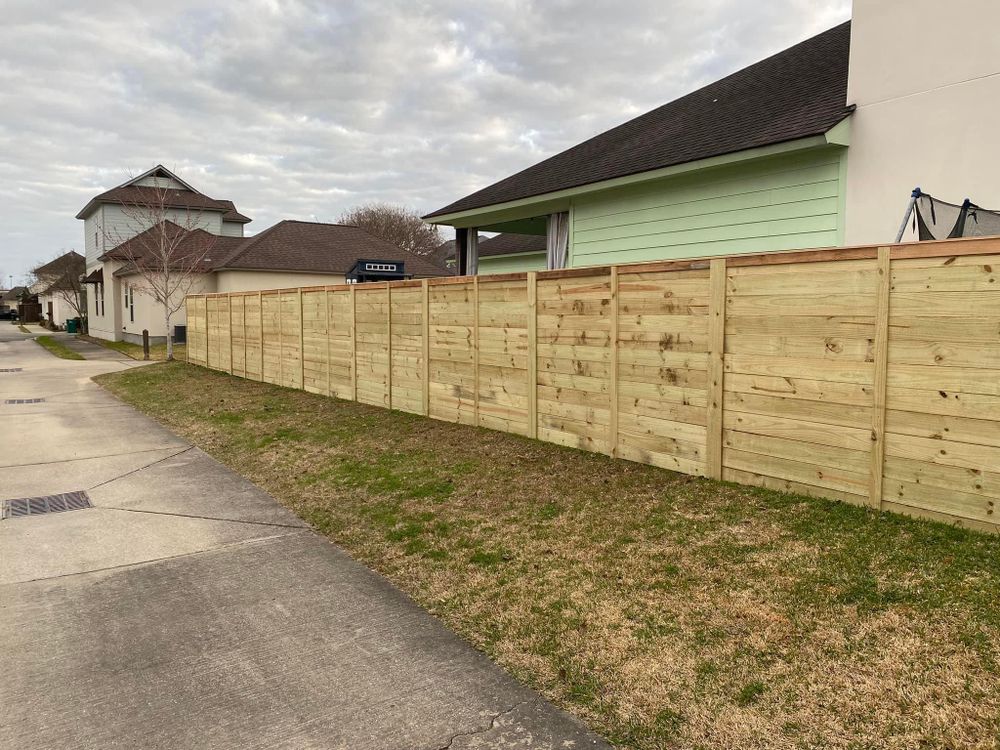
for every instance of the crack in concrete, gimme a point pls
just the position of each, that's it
(96, 458)
(482, 730)
(141, 468)
(221, 547)
(204, 518)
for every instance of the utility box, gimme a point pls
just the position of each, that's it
(180, 334)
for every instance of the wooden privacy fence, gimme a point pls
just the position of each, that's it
(870, 375)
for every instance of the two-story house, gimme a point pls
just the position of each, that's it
(120, 226)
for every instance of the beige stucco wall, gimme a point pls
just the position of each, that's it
(252, 281)
(924, 77)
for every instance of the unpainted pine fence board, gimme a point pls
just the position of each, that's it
(868, 375)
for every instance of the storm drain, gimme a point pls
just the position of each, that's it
(36, 506)
(11, 369)
(24, 400)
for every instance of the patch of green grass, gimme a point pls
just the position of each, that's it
(58, 348)
(750, 693)
(157, 352)
(654, 605)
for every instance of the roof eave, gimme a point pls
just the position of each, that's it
(559, 200)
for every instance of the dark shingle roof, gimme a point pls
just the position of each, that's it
(195, 247)
(510, 243)
(796, 93)
(320, 248)
(142, 195)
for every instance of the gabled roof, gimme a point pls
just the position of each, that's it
(195, 247)
(301, 246)
(794, 94)
(320, 248)
(60, 264)
(132, 194)
(14, 294)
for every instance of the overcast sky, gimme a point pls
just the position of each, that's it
(303, 109)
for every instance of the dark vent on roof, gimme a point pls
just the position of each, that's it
(36, 506)
(24, 400)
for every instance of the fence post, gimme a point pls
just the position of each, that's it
(329, 364)
(281, 338)
(260, 319)
(145, 343)
(475, 347)
(302, 344)
(206, 329)
(229, 329)
(426, 345)
(532, 354)
(716, 367)
(881, 354)
(388, 343)
(243, 323)
(354, 343)
(613, 369)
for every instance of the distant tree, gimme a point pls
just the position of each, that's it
(63, 278)
(170, 251)
(399, 225)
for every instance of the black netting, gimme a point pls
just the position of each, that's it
(939, 220)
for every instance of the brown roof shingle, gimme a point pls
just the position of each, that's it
(321, 248)
(794, 94)
(141, 195)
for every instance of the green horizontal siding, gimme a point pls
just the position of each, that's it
(512, 263)
(779, 203)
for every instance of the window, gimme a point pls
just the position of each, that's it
(131, 305)
(101, 285)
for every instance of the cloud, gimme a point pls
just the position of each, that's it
(302, 109)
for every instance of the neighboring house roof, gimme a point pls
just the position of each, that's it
(14, 294)
(301, 246)
(320, 248)
(443, 253)
(507, 243)
(132, 194)
(58, 265)
(233, 215)
(195, 248)
(794, 94)
(510, 243)
(61, 273)
(94, 277)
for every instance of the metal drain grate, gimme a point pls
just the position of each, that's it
(36, 506)
(11, 369)
(24, 400)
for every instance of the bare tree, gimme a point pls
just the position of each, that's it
(164, 245)
(399, 225)
(63, 278)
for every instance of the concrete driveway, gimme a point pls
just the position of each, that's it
(187, 609)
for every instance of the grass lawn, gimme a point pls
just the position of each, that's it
(156, 351)
(666, 611)
(57, 347)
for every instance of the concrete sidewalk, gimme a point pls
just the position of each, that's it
(187, 609)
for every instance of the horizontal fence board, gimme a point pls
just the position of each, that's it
(621, 363)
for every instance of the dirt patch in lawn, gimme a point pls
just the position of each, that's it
(666, 611)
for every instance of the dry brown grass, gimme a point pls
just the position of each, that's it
(666, 611)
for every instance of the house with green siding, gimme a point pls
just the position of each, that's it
(817, 146)
(752, 163)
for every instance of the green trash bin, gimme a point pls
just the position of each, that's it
(71, 325)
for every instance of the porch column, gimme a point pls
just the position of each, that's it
(461, 251)
(467, 251)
